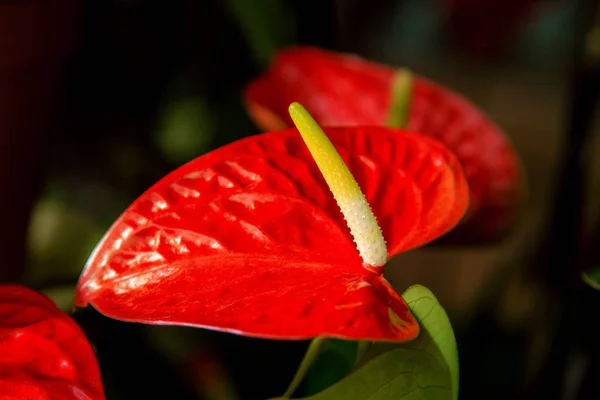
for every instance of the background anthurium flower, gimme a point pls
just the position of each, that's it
(345, 90)
(248, 238)
(44, 355)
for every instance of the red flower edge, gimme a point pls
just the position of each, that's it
(44, 354)
(345, 90)
(248, 239)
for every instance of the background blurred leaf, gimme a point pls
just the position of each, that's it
(62, 296)
(185, 131)
(426, 368)
(266, 24)
(592, 277)
(60, 240)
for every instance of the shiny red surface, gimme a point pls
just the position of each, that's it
(344, 90)
(248, 238)
(44, 355)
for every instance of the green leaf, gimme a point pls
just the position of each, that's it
(592, 277)
(426, 368)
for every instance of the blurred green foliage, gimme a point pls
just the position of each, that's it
(267, 26)
(60, 240)
(592, 277)
(185, 130)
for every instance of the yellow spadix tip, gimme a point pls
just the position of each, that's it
(346, 192)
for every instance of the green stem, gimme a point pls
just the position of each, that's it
(401, 98)
(362, 348)
(314, 348)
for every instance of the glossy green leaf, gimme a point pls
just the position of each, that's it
(435, 321)
(592, 277)
(426, 368)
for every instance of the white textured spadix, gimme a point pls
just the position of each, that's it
(355, 208)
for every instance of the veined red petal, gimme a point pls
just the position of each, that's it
(43, 352)
(345, 90)
(248, 238)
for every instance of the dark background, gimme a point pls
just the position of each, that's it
(99, 99)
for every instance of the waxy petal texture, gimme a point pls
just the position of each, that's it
(43, 352)
(345, 90)
(248, 238)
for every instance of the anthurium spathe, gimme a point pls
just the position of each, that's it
(249, 238)
(345, 90)
(44, 355)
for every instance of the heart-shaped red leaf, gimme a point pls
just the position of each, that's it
(43, 352)
(345, 90)
(248, 238)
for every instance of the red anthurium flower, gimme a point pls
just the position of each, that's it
(345, 90)
(44, 355)
(248, 238)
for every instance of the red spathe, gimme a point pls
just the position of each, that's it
(43, 353)
(248, 238)
(346, 90)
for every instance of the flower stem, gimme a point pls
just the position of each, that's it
(314, 348)
(362, 348)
